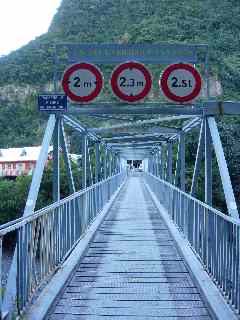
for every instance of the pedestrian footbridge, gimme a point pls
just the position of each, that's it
(132, 267)
(127, 243)
(140, 249)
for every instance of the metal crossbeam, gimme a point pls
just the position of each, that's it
(135, 145)
(140, 123)
(136, 138)
(222, 108)
(167, 132)
(207, 108)
(80, 127)
(147, 108)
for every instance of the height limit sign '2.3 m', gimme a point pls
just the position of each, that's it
(181, 83)
(82, 82)
(131, 81)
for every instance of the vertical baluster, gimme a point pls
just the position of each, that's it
(1, 287)
(224, 256)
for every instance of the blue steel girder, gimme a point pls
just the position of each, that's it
(137, 138)
(140, 123)
(208, 108)
(149, 144)
(166, 133)
(147, 108)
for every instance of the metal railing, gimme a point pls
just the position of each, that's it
(213, 236)
(46, 238)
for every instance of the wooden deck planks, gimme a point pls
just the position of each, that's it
(132, 269)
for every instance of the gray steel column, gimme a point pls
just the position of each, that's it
(152, 164)
(182, 162)
(208, 164)
(169, 162)
(149, 164)
(97, 161)
(84, 161)
(113, 163)
(105, 155)
(198, 160)
(177, 169)
(157, 163)
(56, 162)
(10, 292)
(67, 160)
(222, 164)
(110, 163)
(118, 164)
(89, 166)
(162, 171)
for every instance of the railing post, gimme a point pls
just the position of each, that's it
(66, 159)
(208, 164)
(105, 156)
(162, 163)
(169, 162)
(84, 161)
(177, 170)
(182, 161)
(89, 166)
(110, 157)
(97, 162)
(198, 160)
(56, 162)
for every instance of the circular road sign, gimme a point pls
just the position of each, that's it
(181, 82)
(82, 82)
(131, 81)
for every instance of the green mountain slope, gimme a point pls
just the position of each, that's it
(209, 21)
(122, 21)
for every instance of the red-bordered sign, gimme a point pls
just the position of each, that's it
(181, 82)
(82, 82)
(131, 81)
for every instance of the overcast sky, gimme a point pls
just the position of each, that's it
(23, 20)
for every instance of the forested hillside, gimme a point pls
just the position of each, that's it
(30, 69)
(125, 21)
(207, 21)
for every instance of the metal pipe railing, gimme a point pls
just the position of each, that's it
(46, 238)
(213, 236)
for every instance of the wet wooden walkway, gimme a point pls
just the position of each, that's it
(132, 269)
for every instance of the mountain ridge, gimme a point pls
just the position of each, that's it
(121, 21)
(132, 21)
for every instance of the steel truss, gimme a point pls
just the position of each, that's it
(160, 141)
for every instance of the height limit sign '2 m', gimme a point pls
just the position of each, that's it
(131, 81)
(181, 83)
(82, 82)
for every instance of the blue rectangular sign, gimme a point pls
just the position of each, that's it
(117, 53)
(52, 102)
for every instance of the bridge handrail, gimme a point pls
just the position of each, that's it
(219, 213)
(212, 235)
(15, 224)
(47, 237)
